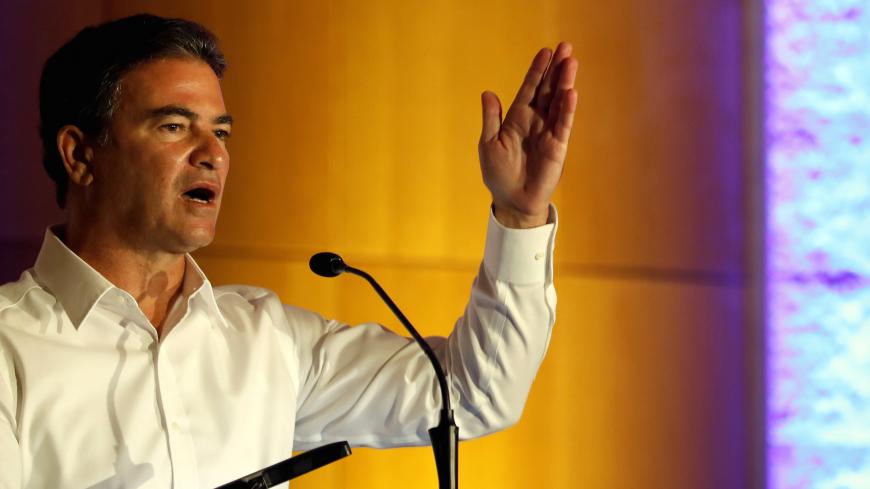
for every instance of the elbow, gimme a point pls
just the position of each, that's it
(477, 419)
(509, 415)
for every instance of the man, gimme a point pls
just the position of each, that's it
(120, 365)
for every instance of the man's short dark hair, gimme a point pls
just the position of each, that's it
(80, 82)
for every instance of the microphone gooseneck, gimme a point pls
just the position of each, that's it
(445, 436)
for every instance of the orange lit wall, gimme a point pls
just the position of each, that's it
(357, 125)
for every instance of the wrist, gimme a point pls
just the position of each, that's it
(513, 218)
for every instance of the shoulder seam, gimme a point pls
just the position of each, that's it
(248, 293)
(21, 298)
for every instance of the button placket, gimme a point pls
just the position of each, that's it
(181, 448)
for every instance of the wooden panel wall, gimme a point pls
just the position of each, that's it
(357, 130)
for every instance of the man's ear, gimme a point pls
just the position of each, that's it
(77, 153)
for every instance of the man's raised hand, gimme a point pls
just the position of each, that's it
(521, 157)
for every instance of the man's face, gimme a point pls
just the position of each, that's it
(158, 182)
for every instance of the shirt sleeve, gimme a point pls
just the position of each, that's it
(372, 387)
(10, 452)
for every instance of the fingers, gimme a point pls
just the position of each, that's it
(560, 114)
(527, 90)
(517, 118)
(491, 116)
(565, 118)
(567, 74)
(547, 89)
(551, 79)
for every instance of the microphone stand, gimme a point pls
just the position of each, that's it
(445, 436)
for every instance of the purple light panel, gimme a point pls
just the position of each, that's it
(818, 234)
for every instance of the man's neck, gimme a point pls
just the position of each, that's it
(154, 279)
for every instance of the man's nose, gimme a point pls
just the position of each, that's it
(210, 153)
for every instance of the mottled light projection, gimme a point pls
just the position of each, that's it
(818, 232)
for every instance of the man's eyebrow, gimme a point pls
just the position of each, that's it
(187, 113)
(224, 119)
(172, 110)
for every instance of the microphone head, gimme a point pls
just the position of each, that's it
(327, 264)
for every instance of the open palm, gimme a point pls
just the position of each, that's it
(521, 157)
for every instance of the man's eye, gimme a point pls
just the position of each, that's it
(172, 127)
(222, 134)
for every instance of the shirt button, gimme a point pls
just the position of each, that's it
(539, 256)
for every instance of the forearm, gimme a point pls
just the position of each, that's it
(495, 350)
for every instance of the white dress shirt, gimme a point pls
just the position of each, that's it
(91, 398)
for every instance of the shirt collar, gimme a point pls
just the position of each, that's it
(78, 287)
(196, 284)
(74, 283)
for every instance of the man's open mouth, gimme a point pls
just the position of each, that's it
(200, 195)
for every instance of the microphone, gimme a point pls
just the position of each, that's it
(445, 436)
(327, 264)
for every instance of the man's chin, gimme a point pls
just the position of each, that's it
(194, 240)
(199, 243)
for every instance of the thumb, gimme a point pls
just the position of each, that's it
(491, 116)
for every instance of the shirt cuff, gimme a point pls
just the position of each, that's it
(520, 256)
